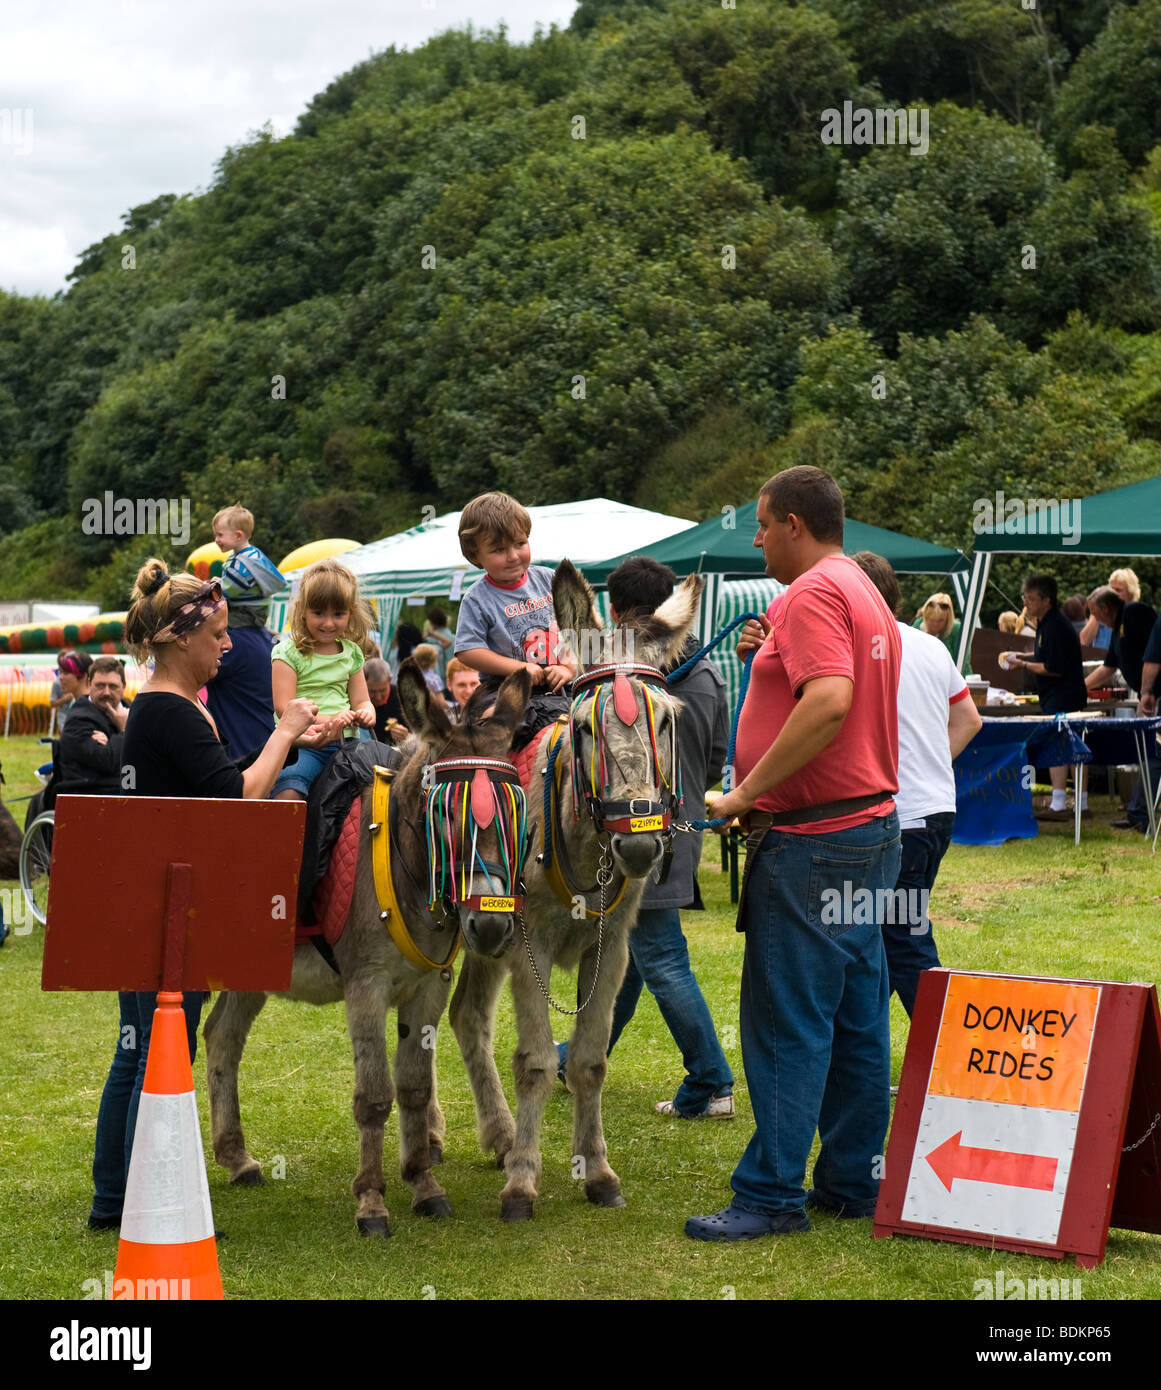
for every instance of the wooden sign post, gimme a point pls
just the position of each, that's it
(1028, 1116)
(165, 893)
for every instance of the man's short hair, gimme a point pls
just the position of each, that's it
(376, 671)
(235, 518)
(1044, 585)
(495, 517)
(1105, 597)
(640, 585)
(814, 498)
(454, 667)
(882, 576)
(112, 664)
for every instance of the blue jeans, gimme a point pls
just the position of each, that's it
(117, 1117)
(659, 958)
(300, 775)
(815, 1038)
(908, 939)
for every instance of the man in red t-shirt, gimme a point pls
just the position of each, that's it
(817, 752)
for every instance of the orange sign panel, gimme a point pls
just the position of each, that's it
(1015, 1041)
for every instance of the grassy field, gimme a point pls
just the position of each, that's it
(1030, 907)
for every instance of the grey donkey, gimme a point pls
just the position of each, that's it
(568, 930)
(375, 976)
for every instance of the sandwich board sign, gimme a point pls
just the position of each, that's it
(1028, 1115)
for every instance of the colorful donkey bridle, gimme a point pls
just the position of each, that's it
(464, 796)
(614, 697)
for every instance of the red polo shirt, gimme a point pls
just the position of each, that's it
(831, 621)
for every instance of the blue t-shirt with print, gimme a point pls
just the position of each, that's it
(515, 622)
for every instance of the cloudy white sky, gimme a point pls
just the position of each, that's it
(133, 98)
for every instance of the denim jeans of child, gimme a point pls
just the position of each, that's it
(117, 1117)
(814, 1022)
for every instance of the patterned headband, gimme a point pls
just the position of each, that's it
(202, 604)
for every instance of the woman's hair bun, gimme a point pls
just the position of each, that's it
(151, 577)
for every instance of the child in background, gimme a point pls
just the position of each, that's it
(440, 636)
(240, 696)
(506, 618)
(321, 659)
(426, 657)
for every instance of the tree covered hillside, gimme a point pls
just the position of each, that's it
(621, 260)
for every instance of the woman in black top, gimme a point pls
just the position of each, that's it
(172, 748)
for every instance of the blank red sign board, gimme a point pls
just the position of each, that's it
(107, 891)
(1028, 1115)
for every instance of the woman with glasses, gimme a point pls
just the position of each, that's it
(937, 617)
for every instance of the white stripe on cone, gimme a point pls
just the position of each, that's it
(167, 1197)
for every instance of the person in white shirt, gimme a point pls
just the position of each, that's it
(937, 721)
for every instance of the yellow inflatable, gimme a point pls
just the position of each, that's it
(207, 560)
(315, 550)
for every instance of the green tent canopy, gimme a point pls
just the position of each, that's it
(725, 545)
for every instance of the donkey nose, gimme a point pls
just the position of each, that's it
(488, 933)
(638, 855)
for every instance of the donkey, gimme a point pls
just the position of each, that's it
(583, 910)
(374, 975)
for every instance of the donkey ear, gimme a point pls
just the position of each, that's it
(660, 638)
(574, 607)
(507, 712)
(425, 719)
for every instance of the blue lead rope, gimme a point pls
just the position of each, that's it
(684, 669)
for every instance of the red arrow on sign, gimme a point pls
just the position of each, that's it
(955, 1160)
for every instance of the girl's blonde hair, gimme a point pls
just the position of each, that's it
(1130, 581)
(327, 584)
(1009, 622)
(425, 656)
(157, 596)
(940, 598)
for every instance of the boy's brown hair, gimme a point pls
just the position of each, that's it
(492, 516)
(235, 518)
(327, 584)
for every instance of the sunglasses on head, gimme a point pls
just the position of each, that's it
(940, 605)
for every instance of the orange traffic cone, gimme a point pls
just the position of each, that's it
(167, 1245)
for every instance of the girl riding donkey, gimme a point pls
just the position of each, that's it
(321, 659)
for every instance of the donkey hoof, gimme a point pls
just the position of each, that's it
(434, 1152)
(435, 1207)
(500, 1160)
(515, 1208)
(248, 1177)
(373, 1226)
(604, 1194)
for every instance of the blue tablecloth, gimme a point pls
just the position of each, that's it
(993, 780)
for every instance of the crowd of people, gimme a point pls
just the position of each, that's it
(842, 780)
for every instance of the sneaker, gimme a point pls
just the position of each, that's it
(732, 1223)
(857, 1211)
(104, 1223)
(1054, 815)
(720, 1108)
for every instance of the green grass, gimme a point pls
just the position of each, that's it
(1030, 907)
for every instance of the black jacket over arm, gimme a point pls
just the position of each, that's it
(86, 766)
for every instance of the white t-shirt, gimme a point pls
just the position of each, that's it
(929, 684)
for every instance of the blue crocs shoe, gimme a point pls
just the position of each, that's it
(734, 1223)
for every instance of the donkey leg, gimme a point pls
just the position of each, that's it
(473, 1013)
(587, 1065)
(534, 1066)
(225, 1034)
(436, 1124)
(414, 1088)
(366, 1002)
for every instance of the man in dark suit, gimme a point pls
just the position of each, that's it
(90, 745)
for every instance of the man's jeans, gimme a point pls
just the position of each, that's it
(908, 938)
(117, 1117)
(1137, 811)
(659, 958)
(815, 1038)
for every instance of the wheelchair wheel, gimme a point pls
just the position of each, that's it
(35, 860)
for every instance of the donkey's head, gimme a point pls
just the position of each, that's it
(463, 800)
(623, 722)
